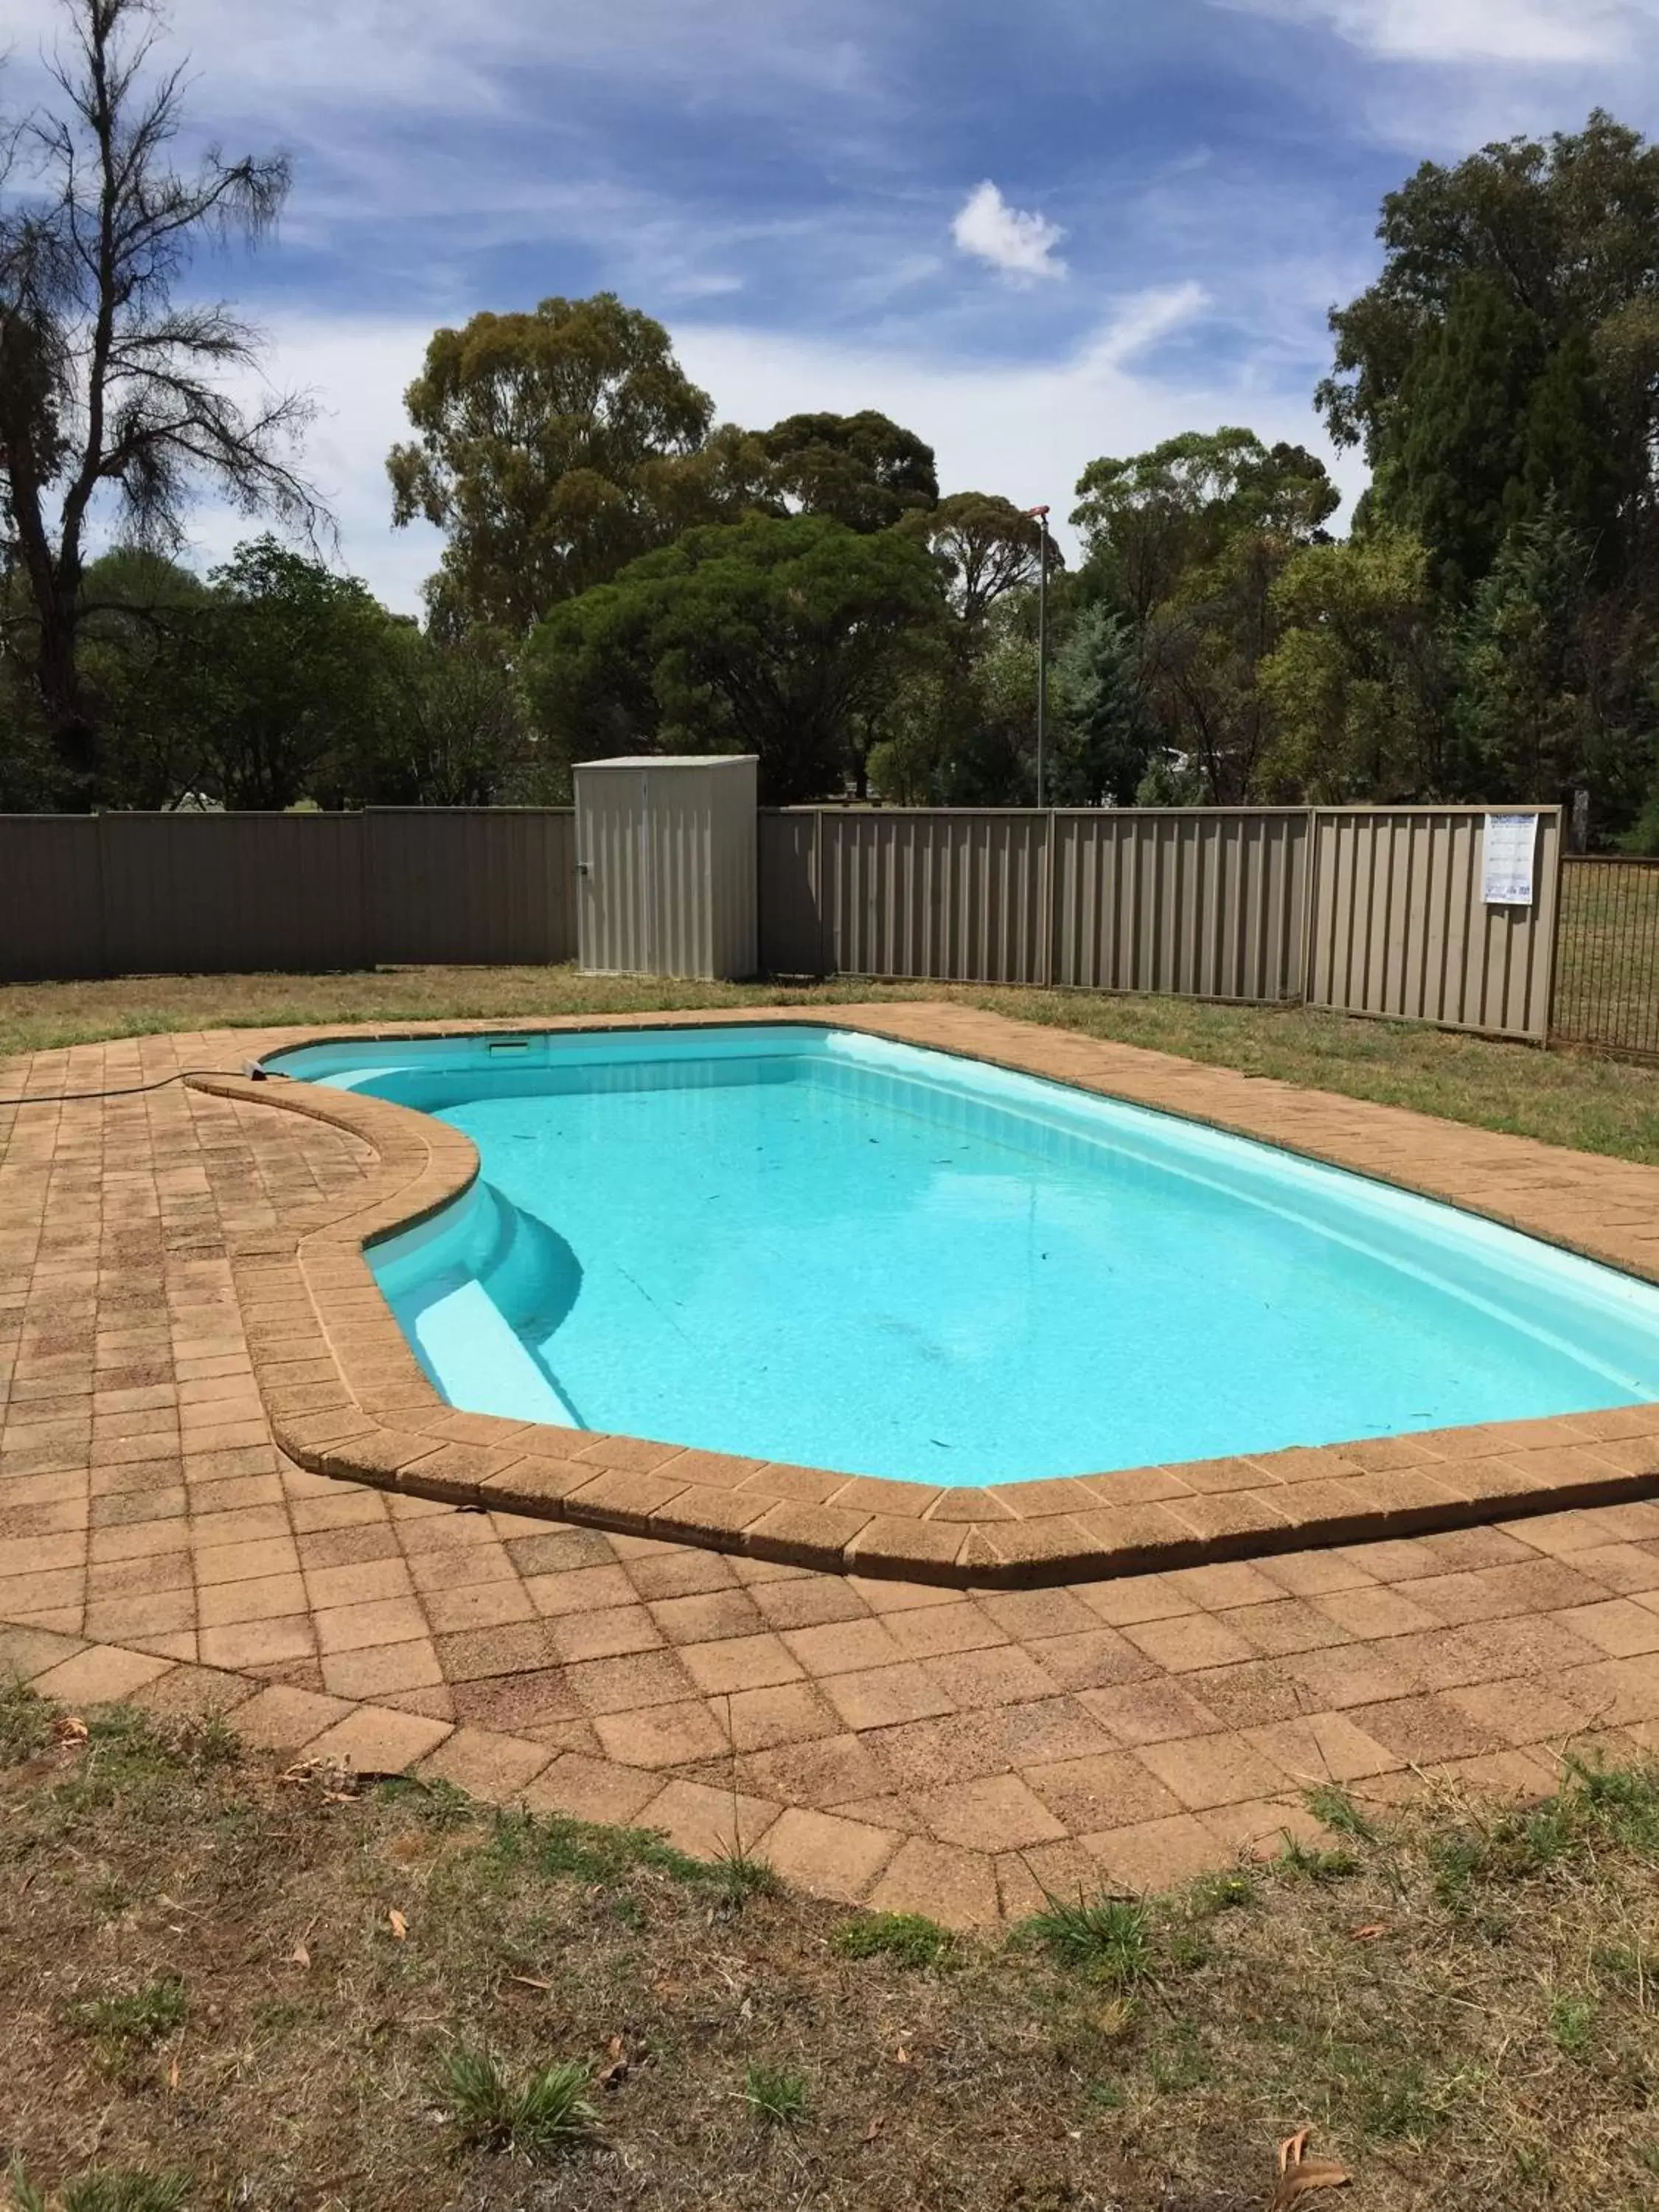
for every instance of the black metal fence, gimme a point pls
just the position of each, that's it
(1606, 961)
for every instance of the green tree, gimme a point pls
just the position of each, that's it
(551, 447)
(1570, 463)
(1453, 472)
(961, 730)
(454, 732)
(284, 676)
(136, 654)
(783, 636)
(115, 393)
(1358, 684)
(1549, 697)
(1556, 240)
(1185, 542)
(1104, 737)
(986, 547)
(860, 470)
(1150, 521)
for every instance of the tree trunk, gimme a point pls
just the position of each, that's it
(74, 733)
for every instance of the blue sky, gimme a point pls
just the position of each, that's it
(1033, 230)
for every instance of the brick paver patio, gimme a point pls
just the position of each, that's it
(920, 1746)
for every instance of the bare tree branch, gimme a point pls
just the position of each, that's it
(109, 388)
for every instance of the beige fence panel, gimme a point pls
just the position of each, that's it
(232, 891)
(1398, 924)
(791, 914)
(146, 894)
(471, 885)
(935, 894)
(1200, 902)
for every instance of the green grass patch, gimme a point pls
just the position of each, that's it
(543, 2110)
(139, 2016)
(1301, 1862)
(909, 1939)
(568, 1849)
(25, 1724)
(1340, 1811)
(1106, 1937)
(777, 2096)
(1229, 1890)
(104, 2189)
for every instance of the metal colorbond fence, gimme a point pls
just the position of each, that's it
(1364, 910)
(1397, 925)
(146, 894)
(1606, 983)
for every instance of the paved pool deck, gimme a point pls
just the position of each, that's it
(952, 1746)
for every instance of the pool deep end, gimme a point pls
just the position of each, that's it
(817, 1246)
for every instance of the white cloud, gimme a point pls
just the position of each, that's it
(1544, 33)
(1020, 244)
(1026, 428)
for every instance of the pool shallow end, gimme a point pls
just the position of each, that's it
(311, 1302)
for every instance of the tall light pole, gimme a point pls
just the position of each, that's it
(1041, 515)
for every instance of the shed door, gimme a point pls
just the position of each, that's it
(613, 895)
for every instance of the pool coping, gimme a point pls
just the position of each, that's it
(346, 1396)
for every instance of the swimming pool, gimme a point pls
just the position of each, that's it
(795, 1243)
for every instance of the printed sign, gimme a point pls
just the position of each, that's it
(1511, 847)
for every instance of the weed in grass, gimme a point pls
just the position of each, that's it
(580, 1851)
(439, 1804)
(104, 2189)
(1301, 1862)
(1337, 1809)
(1188, 1948)
(142, 2016)
(1623, 1802)
(1221, 1892)
(737, 1875)
(909, 1939)
(1616, 1805)
(1105, 1936)
(544, 2111)
(25, 1724)
(1454, 1860)
(125, 2189)
(1572, 2020)
(127, 1755)
(776, 2095)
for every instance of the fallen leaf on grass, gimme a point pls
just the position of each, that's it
(1369, 1933)
(172, 2073)
(397, 1924)
(873, 2131)
(69, 1728)
(299, 1956)
(1299, 2175)
(531, 1981)
(615, 2067)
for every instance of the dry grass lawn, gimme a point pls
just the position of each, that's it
(1595, 1104)
(223, 1985)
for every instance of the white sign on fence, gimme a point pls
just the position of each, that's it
(1511, 845)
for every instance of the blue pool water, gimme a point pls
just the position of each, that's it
(807, 1245)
